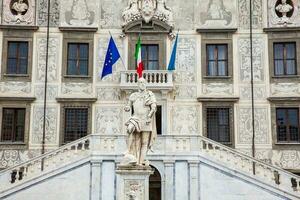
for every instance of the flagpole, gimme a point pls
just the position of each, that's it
(120, 55)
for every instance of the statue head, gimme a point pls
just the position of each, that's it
(142, 84)
(283, 1)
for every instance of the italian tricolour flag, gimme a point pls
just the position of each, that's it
(138, 57)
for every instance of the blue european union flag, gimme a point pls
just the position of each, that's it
(171, 66)
(112, 56)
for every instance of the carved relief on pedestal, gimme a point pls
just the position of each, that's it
(284, 89)
(218, 89)
(18, 88)
(184, 120)
(134, 190)
(18, 12)
(79, 13)
(244, 59)
(217, 13)
(286, 159)
(77, 88)
(43, 12)
(283, 13)
(245, 126)
(53, 58)
(147, 10)
(108, 121)
(51, 125)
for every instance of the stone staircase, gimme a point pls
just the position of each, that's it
(197, 147)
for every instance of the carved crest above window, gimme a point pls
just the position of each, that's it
(148, 13)
(18, 12)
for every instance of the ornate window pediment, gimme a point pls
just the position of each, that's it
(147, 16)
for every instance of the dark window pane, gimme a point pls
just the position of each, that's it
(11, 66)
(153, 65)
(290, 51)
(12, 49)
(290, 67)
(153, 52)
(278, 51)
(72, 51)
(23, 66)
(150, 56)
(76, 123)
(72, 67)
(84, 51)
(222, 52)
(23, 49)
(218, 128)
(83, 67)
(279, 67)
(210, 52)
(158, 116)
(287, 124)
(212, 69)
(222, 68)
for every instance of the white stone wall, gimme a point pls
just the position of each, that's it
(183, 114)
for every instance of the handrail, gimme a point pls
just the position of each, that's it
(79, 141)
(249, 157)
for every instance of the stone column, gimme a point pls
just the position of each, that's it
(95, 179)
(194, 179)
(169, 180)
(133, 182)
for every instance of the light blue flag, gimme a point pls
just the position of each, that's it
(171, 66)
(111, 58)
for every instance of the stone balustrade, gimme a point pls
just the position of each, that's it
(187, 147)
(156, 79)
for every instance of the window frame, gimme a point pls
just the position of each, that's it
(285, 59)
(217, 39)
(77, 38)
(17, 57)
(17, 36)
(157, 39)
(74, 105)
(216, 60)
(77, 59)
(283, 37)
(228, 105)
(148, 60)
(16, 104)
(288, 134)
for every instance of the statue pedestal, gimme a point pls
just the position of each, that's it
(133, 182)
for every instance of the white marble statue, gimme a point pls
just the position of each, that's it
(141, 127)
(284, 8)
(164, 13)
(20, 7)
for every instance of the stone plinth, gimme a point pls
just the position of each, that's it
(133, 182)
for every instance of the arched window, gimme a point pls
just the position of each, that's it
(155, 185)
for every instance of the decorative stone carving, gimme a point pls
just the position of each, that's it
(259, 93)
(20, 88)
(283, 13)
(183, 13)
(184, 120)
(182, 144)
(111, 15)
(43, 12)
(147, 10)
(244, 13)
(186, 92)
(9, 158)
(53, 58)
(109, 121)
(284, 89)
(186, 60)
(245, 126)
(77, 88)
(133, 190)
(218, 89)
(108, 94)
(286, 159)
(217, 13)
(18, 12)
(51, 125)
(79, 13)
(140, 127)
(108, 144)
(52, 92)
(244, 59)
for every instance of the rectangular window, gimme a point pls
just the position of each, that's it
(76, 124)
(217, 59)
(285, 58)
(78, 59)
(158, 118)
(150, 56)
(17, 58)
(218, 127)
(13, 125)
(287, 124)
